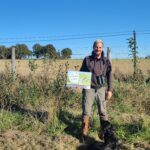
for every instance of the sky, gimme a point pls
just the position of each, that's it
(76, 24)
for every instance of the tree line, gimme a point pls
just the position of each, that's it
(39, 51)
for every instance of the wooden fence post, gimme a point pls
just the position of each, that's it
(13, 63)
(109, 53)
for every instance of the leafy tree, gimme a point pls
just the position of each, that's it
(37, 50)
(28, 53)
(66, 53)
(22, 51)
(3, 52)
(134, 52)
(50, 51)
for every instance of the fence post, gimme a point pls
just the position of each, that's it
(13, 63)
(109, 53)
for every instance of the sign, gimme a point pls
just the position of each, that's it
(79, 79)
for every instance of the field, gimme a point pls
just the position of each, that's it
(22, 66)
(37, 111)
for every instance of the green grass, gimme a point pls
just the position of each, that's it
(9, 120)
(129, 109)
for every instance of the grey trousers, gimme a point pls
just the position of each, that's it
(88, 97)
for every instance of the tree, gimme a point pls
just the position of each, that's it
(37, 50)
(134, 52)
(22, 51)
(3, 52)
(50, 51)
(66, 53)
(28, 53)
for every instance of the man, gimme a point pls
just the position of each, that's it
(101, 85)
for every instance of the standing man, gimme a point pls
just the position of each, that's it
(101, 85)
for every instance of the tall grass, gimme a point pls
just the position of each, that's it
(42, 103)
(36, 97)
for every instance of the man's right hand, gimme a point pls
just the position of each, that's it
(108, 95)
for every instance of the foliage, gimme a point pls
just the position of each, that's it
(37, 48)
(49, 51)
(134, 52)
(26, 101)
(66, 53)
(32, 65)
(8, 119)
(3, 52)
(39, 51)
(22, 51)
(121, 77)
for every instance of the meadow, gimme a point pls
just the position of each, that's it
(37, 110)
(23, 66)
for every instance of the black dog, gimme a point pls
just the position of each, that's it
(110, 140)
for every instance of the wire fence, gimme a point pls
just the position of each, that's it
(80, 43)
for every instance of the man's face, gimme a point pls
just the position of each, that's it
(98, 49)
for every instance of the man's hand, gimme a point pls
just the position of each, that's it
(108, 95)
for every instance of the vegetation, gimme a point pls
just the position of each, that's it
(47, 51)
(66, 53)
(22, 51)
(39, 51)
(39, 112)
(134, 52)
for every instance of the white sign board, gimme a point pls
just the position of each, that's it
(79, 79)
